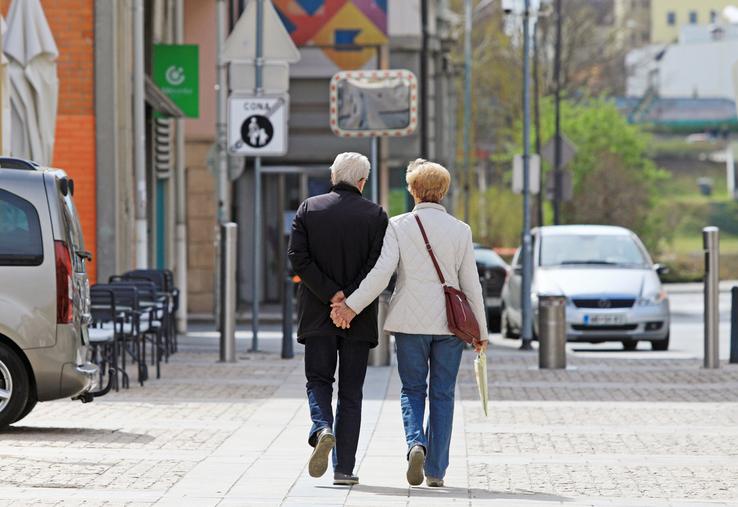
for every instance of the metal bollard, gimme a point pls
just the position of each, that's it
(711, 244)
(552, 332)
(228, 236)
(380, 355)
(734, 325)
(287, 313)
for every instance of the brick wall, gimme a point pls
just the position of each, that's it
(72, 23)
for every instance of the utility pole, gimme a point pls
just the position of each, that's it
(139, 137)
(467, 103)
(527, 331)
(537, 122)
(557, 105)
(221, 114)
(181, 192)
(256, 273)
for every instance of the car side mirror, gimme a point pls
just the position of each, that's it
(518, 270)
(84, 255)
(661, 269)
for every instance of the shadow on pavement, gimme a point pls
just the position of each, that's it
(458, 493)
(51, 434)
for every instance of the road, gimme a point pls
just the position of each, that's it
(687, 337)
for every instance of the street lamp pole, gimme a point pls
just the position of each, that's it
(467, 103)
(527, 331)
(557, 104)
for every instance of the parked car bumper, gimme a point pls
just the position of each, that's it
(649, 322)
(61, 371)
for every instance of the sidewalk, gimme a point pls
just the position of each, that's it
(617, 430)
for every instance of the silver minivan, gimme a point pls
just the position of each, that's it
(44, 291)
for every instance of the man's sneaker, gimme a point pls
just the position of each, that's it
(322, 451)
(433, 482)
(340, 479)
(415, 462)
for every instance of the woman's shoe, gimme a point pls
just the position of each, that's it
(415, 463)
(433, 482)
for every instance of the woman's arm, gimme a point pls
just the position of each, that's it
(379, 277)
(469, 284)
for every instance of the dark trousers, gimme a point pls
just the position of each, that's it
(321, 355)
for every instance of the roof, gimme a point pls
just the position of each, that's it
(683, 111)
(560, 230)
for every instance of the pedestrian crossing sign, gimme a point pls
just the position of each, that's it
(257, 126)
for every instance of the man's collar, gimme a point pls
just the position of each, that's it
(345, 187)
(429, 205)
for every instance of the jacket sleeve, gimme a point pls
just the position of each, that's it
(312, 276)
(374, 254)
(470, 285)
(379, 277)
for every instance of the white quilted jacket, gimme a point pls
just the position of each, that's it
(417, 305)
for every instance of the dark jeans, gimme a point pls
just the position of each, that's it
(424, 360)
(321, 355)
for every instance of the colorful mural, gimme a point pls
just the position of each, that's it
(338, 27)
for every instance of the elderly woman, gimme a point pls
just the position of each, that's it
(417, 315)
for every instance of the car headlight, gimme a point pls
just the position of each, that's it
(652, 299)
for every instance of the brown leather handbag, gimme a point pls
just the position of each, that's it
(461, 320)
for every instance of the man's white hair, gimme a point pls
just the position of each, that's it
(350, 167)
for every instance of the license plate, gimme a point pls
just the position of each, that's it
(604, 319)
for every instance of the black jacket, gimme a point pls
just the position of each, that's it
(336, 240)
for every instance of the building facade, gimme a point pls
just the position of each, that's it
(304, 170)
(72, 23)
(669, 16)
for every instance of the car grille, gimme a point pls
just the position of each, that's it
(623, 327)
(603, 303)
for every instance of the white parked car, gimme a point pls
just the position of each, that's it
(612, 287)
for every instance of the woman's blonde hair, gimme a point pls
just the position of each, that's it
(427, 181)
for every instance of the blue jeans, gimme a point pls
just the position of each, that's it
(322, 354)
(416, 356)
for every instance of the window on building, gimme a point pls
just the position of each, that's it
(671, 18)
(692, 17)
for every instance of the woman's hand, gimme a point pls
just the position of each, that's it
(480, 345)
(342, 315)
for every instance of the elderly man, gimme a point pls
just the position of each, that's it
(336, 240)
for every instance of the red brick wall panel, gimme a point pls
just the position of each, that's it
(72, 22)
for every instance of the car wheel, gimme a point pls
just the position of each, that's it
(14, 386)
(506, 329)
(30, 404)
(630, 345)
(661, 344)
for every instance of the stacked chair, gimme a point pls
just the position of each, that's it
(132, 312)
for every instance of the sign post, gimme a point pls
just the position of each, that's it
(257, 122)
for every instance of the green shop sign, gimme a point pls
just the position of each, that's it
(176, 68)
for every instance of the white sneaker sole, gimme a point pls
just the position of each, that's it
(415, 463)
(319, 459)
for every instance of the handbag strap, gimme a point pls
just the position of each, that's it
(430, 249)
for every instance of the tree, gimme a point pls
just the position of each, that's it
(615, 182)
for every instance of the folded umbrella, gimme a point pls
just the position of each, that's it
(480, 372)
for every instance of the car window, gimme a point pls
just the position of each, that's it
(488, 257)
(20, 232)
(586, 249)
